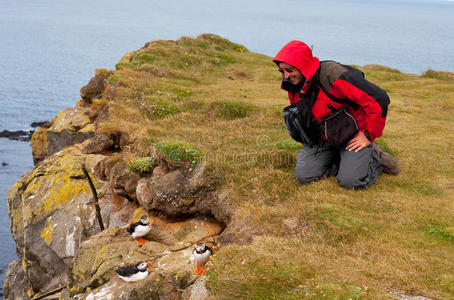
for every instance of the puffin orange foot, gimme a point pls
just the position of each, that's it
(133, 282)
(204, 271)
(198, 271)
(140, 242)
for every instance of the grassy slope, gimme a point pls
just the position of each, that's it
(320, 240)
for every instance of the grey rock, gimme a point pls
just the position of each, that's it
(98, 143)
(51, 211)
(95, 86)
(197, 291)
(123, 181)
(405, 297)
(177, 192)
(60, 140)
(16, 282)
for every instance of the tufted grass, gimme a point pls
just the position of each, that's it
(319, 241)
(178, 153)
(142, 165)
(438, 75)
(232, 109)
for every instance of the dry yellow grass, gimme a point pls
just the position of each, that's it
(321, 241)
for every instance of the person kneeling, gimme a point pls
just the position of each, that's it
(336, 114)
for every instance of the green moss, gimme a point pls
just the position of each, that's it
(142, 165)
(232, 109)
(159, 108)
(179, 153)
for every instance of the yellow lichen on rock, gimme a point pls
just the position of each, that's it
(63, 190)
(88, 128)
(39, 143)
(49, 186)
(71, 119)
(24, 264)
(46, 234)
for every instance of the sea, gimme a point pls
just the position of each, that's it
(49, 49)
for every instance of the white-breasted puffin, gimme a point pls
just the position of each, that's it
(133, 273)
(201, 255)
(140, 229)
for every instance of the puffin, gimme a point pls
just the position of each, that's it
(135, 273)
(201, 255)
(140, 229)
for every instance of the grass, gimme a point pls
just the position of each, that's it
(178, 153)
(232, 109)
(443, 233)
(142, 165)
(438, 75)
(223, 104)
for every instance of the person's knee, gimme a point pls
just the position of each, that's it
(302, 179)
(305, 176)
(350, 181)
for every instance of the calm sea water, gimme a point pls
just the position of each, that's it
(50, 48)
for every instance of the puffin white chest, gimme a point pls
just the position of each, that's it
(135, 277)
(201, 258)
(141, 230)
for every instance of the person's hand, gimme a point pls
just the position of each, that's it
(358, 142)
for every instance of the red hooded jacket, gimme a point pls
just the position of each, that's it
(340, 86)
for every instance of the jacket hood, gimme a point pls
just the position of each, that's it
(299, 55)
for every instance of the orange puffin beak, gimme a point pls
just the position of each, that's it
(149, 265)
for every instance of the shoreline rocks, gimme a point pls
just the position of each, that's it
(18, 135)
(51, 213)
(21, 135)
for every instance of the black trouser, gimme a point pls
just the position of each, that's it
(353, 169)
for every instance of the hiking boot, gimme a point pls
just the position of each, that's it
(388, 161)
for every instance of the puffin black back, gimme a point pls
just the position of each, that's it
(127, 271)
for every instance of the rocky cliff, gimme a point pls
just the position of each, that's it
(190, 133)
(59, 241)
